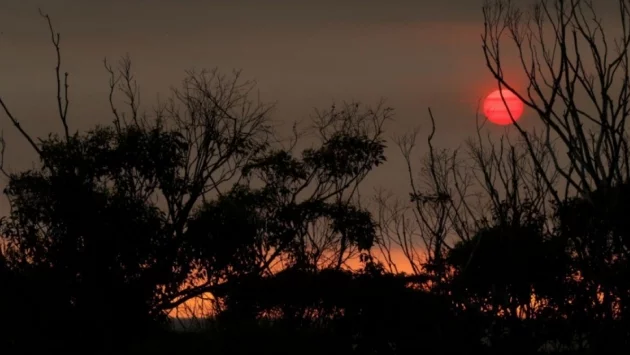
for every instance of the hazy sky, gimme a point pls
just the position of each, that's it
(304, 54)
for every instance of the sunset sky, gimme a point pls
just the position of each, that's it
(304, 54)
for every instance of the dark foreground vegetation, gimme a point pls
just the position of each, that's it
(516, 245)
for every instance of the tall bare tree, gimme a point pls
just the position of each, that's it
(577, 78)
(570, 173)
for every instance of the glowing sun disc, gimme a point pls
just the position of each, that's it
(498, 112)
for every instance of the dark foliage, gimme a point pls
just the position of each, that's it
(117, 226)
(89, 253)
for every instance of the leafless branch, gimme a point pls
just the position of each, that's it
(584, 110)
(62, 102)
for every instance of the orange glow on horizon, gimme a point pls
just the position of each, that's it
(204, 306)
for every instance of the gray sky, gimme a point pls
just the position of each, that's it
(304, 54)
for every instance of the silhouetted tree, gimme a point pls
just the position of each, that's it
(577, 86)
(516, 244)
(104, 213)
(596, 230)
(251, 231)
(548, 278)
(140, 216)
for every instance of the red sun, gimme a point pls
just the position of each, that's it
(498, 112)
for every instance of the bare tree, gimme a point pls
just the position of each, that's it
(62, 93)
(576, 82)
(454, 193)
(582, 146)
(423, 227)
